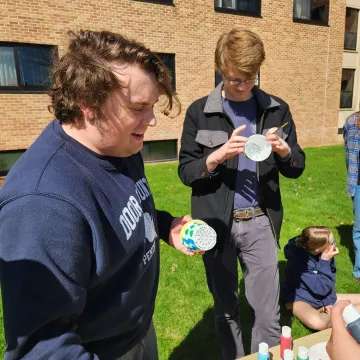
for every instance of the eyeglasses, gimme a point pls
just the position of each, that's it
(239, 82)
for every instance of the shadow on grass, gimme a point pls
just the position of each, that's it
(345, 234)
(201, 342)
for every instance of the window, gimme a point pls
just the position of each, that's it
(218, 79)
(162, 150)
(347, 87)
(311, 11)
(351, 25)
(169, 61)
(247, 7)
(25, 67)
(8, 159)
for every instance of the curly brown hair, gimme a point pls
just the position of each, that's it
(85, 73)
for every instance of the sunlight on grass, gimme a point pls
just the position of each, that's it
(183, 316)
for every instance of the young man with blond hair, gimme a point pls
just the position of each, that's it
(238, 197)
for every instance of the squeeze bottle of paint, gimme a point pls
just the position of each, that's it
(352, 319)
(263, 353)
(285, 340)
(302, 353)
(288, 354)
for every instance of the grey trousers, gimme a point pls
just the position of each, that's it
(253, 244)
(146, 349)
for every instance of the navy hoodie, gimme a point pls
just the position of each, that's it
(308, 278)
(79, 252)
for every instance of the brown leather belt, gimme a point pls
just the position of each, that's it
(246, 214)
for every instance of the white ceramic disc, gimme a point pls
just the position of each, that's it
(257, 148)
(205, 237)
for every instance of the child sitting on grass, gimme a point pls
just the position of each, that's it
(309, 285)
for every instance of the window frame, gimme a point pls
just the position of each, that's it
(357, 29)
(159, 2)
(310, 21)
(352, 91)
(173, 74)
(28, 89)
(218, 76)
(221, 9)
(175, 158)
(21, 152)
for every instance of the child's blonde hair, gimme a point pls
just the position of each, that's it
(315, 237)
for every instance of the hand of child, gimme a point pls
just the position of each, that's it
(330, 252)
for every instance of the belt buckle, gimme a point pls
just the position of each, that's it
(237, 216)
(248, 214)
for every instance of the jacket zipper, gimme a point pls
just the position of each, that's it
(258, 176)
(227, 191)
(261, 129)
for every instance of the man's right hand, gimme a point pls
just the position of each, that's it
(234, 146)
(341, 346)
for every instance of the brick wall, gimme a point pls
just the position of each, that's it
(303, 64)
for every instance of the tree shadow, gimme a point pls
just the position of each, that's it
(345, 235)
(201, 342)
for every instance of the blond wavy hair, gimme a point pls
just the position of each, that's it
(241, 48)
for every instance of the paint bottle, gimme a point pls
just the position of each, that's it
(352, 320)
(263, 353)
(285, 340)
(288, 354)
(302, 353)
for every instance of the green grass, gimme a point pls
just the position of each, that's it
(183, 316)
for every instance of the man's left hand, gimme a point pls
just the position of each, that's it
(278, 145)
(174, 236)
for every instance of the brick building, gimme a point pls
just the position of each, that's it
(350, 79)
(304, 43)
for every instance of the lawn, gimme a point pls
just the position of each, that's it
(183, 316)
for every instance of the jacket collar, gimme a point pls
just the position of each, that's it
(214, 100)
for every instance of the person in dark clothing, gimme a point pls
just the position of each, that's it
(79, 230)
(309, 285)
(238, 197)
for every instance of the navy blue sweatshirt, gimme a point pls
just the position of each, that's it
(79, 252)
(308, 278)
